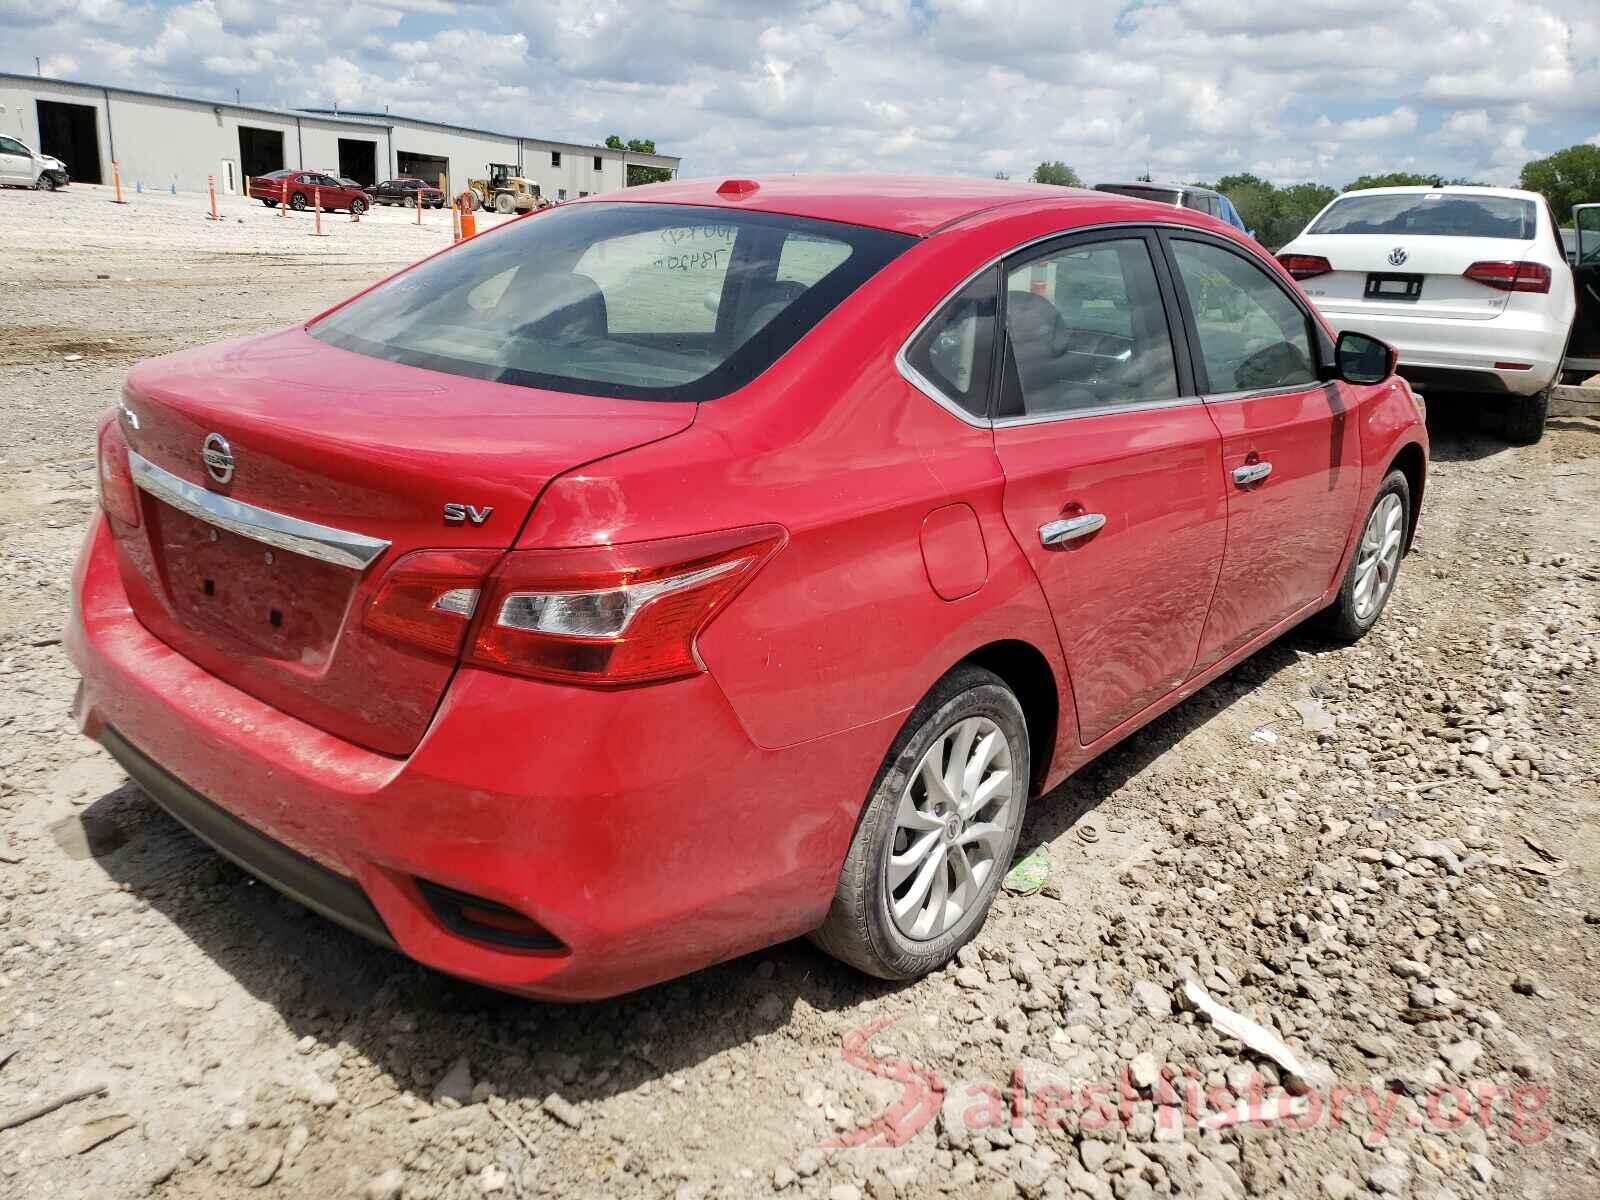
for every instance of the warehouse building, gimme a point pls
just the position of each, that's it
(172, 141)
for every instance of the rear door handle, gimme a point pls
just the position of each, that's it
(1055, 532)
(1251, 473)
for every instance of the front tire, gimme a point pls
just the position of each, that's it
(44, 184)
(1369, 581)
(1525, 418)
(411, 201)
(358, 206)
(937, 834)
(297, 202)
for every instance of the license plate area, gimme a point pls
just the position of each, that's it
(1384, 286)
(249, 596)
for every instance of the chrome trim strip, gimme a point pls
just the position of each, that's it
(1315, 385)
(322, 542)
(1099, 410)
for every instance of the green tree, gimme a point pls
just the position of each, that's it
(637, 172)
(1565, 178)
(1394, 179)
(1057, 173)
(1296, 206)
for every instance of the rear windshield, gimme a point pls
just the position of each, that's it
(1439, 214)
(633, 301)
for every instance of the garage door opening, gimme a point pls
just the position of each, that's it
(260, 150)
(358, 160)
(68, 131)
(423, 166)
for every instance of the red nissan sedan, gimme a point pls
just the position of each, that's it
(655, 578)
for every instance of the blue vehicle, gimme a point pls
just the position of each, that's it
(1182, 195)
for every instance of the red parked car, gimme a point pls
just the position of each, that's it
(660, 577)
(302, 189)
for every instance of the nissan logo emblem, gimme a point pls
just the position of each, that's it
(217, 456)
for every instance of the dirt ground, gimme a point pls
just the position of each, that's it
(1388, 853)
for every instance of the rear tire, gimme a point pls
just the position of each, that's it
(1525, 418)
(270, 203)
(298, 202)
(505, 204)
(411, 201)
(1375, 566)
(906, 900)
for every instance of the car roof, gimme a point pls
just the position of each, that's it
(912, 204)
(1455, 189)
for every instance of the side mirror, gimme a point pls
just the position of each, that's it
(1363, 359)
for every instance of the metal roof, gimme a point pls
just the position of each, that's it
(357, 119)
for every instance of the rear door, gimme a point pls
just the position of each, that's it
(1583, 352)
(1113, 467)
(1290, 446)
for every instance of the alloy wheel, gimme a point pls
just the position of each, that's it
(953, 822)
(1378, 557)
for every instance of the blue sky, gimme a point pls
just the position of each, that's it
(1325, 89)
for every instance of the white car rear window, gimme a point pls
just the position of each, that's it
(1431, 214)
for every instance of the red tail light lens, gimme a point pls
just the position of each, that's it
(1305, 266)
(118, 495)
(1511, 276)
(428, 598)
(611, 615)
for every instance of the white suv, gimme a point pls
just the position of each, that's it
(1470, 284)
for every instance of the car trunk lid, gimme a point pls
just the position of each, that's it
(1434, 267)
(341, 464)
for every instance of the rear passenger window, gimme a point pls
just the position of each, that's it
(956, 350)
(1252, 336)
(1087, 329)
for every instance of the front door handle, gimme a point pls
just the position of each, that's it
(1055, 532)
(1251, 473)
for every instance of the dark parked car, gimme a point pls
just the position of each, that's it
(1181, 195)
(301, 189)
(406, 190)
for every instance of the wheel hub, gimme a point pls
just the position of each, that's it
(952, 827)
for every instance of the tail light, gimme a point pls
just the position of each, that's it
(118, 495)
(1305, 266)
(610, 615)
(427, 599)
(1511, 276)
(600, 615)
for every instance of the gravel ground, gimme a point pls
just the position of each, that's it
(1385, 854)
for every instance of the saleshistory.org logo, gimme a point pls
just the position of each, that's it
(1181, 1102)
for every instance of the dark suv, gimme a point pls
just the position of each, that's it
(1181, 195)
(407, 191)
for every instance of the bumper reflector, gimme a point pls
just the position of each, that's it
(485, 920)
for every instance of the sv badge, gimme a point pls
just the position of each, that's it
(456, 514)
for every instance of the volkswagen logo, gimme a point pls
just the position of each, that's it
(217, 456)
(1398, 256)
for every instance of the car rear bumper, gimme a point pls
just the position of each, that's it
(641, 829)
(1463, 355)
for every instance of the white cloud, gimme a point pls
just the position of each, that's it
(1386, 125)
(1186, 88)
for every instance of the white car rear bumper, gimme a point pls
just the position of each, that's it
(1457, 354)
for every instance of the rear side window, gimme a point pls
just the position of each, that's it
(1252, 336)
(632, 301)
(1431, 214)
(955, 352)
